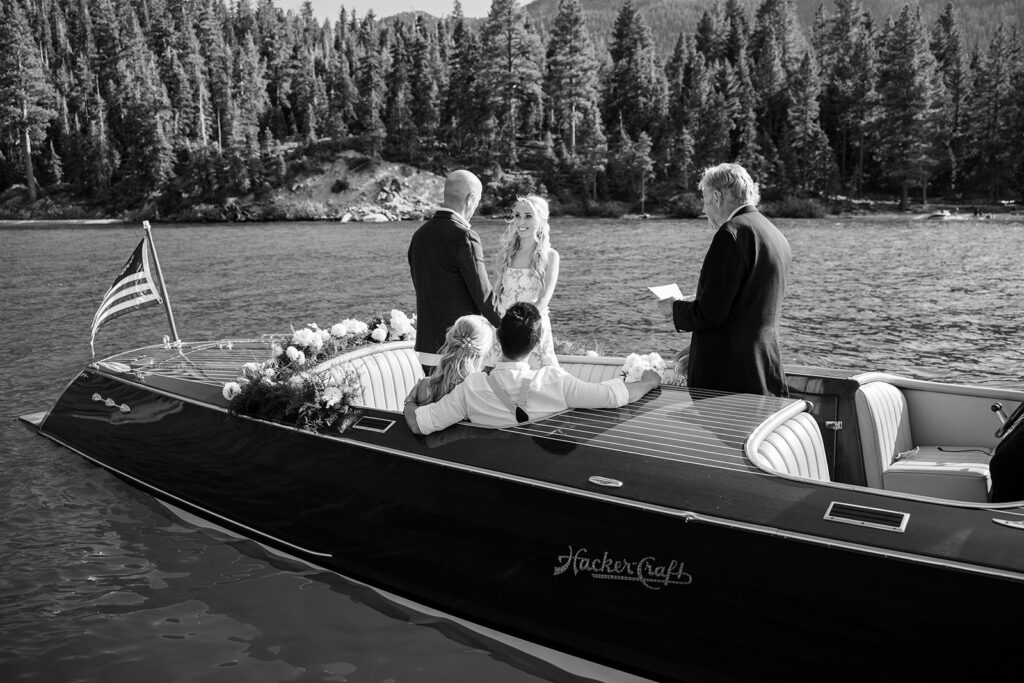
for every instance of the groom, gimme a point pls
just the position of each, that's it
(447, 266)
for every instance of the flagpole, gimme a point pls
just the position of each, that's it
(163, 287)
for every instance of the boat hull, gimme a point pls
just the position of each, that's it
(686, 592)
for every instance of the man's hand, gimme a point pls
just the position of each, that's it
(648, 381)
(666, 305)
(410, 410)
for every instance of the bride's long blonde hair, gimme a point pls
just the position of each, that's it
(466, 343)
(511, 242)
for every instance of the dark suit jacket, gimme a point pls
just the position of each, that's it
(734, 317)
(448, 272)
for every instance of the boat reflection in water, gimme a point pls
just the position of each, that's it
(845, 533)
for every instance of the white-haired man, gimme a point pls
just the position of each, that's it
(735, 313)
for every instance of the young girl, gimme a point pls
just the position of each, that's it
(528, 269)
(466, 343)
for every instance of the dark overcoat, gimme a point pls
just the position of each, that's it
(448, 272)
(735, 315)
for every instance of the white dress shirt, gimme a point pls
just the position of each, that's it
(552, 390)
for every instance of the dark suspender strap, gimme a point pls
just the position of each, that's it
(524, 393)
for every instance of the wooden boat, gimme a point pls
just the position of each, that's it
(844, 533)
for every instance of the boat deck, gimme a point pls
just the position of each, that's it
(667, 427)
(674, 423)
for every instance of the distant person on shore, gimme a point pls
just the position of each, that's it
(735, 313)
(528, 271)
(466, 344)
(513, 392)
(446, 261)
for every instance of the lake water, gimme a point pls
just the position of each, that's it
(100, 584)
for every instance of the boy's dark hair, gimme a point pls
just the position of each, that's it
(520, 330)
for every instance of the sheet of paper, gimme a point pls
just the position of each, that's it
(667, 291)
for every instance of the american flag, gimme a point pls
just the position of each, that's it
(133, 289)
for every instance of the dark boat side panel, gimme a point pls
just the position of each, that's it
(645, 590)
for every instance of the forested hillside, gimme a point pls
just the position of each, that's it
(667, 18)
(171, 103)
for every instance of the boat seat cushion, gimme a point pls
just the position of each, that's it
(955, 473)
(387, 373)
(592, 368)
(387, 376)
(892, 461)
(795, 448)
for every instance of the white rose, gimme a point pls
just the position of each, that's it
(339, 330)
(400, 323)
(355, 327)
(380, 333)
(277, 350)
(293, 354)
(591, 352)
(332, 396)
(230, 390)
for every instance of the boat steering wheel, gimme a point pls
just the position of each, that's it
(1011, 422)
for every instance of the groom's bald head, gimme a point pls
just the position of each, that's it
(462, 191)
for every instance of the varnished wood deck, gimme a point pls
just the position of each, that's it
(698, 427)
(673, 423)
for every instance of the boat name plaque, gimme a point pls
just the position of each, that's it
(647, 571)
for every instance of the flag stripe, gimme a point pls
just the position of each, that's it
(125, 305)
(132, 289)
(114, 298)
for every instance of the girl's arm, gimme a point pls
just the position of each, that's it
(550, 280)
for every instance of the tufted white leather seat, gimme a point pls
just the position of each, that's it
(387, 373)
(592, 368)
(795, 448)
(894, 463)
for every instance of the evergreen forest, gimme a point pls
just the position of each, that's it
(165, 103)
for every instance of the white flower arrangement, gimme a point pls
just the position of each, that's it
(285, 388)
(401, 325)
(636, 364)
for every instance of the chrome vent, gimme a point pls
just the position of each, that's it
(876, 518)
(373, 424)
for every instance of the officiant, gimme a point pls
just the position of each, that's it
(735, 313)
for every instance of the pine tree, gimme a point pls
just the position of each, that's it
(571, 84)
(808, 156)
(845, 45)
(709, 38)
(250, 87)
(26, 95)
(712, 108)
(993, 137)
(425, 73)
(908, 91)
(217, 66)
(401, 131)
(777, 47)
(141, 112)
(465, 113)
(636, 92)
(371, 88)
(511, 71)
(952, 64)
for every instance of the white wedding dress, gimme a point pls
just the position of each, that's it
(523, 284)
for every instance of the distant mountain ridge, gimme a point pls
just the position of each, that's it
(668, 18)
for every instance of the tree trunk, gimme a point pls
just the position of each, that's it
(904, 194)
(572, 137)
(26, 149)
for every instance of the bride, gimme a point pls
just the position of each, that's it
(528, 271)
